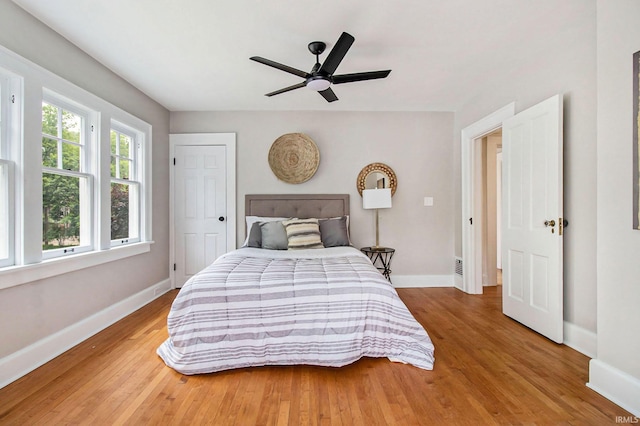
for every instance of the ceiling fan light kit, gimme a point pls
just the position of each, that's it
(321, 77)
(318, 83)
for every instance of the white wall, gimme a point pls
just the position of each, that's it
(616, 371)
(36, 311)
(417, 146)
(567, 66)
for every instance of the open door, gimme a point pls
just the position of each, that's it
(532, 218)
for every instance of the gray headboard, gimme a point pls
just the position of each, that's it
(296, 205)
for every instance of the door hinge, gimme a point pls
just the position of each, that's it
(13, 99)
(174, 266)
(174, 161)
(470, 221)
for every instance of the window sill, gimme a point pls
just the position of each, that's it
(12, 276)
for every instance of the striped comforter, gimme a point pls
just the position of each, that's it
(255, 307)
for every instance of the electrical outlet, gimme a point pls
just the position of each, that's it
(428, 201)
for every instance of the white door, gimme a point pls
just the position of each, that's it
(200, 211)
(532, 218)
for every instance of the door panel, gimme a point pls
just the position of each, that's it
(532, 195)
(512, 274)
(190, 255)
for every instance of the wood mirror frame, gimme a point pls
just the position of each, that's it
(391, 179)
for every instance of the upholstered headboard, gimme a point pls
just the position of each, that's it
(297, 205)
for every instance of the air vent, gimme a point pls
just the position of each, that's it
(458, 266)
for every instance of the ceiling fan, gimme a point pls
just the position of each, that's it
(321, 76)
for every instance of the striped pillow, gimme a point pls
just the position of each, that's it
(303, 234)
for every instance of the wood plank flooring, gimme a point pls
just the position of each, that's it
(494, 372)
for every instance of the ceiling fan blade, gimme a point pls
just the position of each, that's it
(337, 54)
(280, 66)
(286, 89)
(359, 76)
(329, 95)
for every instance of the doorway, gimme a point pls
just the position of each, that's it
(472, 211)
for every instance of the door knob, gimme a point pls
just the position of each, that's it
(221, 218)
(551, 223)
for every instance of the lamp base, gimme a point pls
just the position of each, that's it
(378, 248)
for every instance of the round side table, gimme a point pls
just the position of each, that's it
(381, 258)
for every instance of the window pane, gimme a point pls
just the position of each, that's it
(125, 166)
(49, 152)
(125, 142)
(119, 211)
(114, 142)
(70, 157)
(71, 125)
(114, 162)
(49, 119)
(60, 211)
(125, 215)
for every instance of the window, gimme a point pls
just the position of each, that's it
(66, 185)
(75, 177)
(7, 202)
(125, 186)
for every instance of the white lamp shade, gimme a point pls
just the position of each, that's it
(376, 198)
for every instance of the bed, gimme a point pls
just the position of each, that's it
(258, 306)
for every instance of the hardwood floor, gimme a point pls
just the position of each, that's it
(494, 372)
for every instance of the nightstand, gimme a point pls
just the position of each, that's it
(381, 258)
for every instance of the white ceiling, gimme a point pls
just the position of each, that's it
(193, 55)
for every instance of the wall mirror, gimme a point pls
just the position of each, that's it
(377, 175)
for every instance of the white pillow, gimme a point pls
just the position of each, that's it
(253, 219)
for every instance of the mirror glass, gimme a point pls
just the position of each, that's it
(377, 175)
(377, 180)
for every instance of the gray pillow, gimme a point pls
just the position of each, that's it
(274, 236)
(334, 232)
(255, 236)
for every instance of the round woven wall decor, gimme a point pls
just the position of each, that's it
(294, 158)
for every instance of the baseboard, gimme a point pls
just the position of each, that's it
(413, 281)
(615, 385)
(20, 363)
(580, 339)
